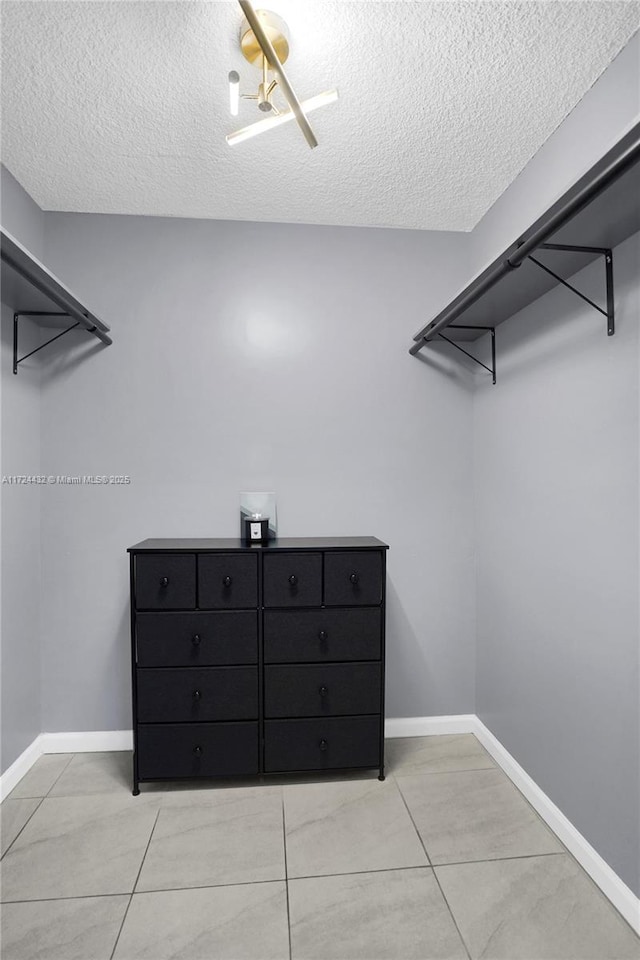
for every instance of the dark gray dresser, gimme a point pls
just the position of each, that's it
(257, 659)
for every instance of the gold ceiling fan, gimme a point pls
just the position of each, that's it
(264, 43)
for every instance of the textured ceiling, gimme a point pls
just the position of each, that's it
(122, 107)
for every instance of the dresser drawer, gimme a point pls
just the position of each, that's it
(227, 580)
(197, 693)
(196, 639)
(316, 690)
(165, 581)
(167, 750)
(321, 744)
(315, 635)
(352, 578)
(293, 580)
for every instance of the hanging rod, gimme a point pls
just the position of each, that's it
(609, 313)
(616, 162)
(38, 278)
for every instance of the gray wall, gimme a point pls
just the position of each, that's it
(222, 379)
(21, 216)
(556, 477)
(254, 356)
(596, 123)
(20, 658)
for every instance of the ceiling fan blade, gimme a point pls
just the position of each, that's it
(272, 59)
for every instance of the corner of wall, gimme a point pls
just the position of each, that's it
(605, 113)
(20, 214)
(20, 503)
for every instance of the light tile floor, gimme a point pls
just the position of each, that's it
(445, 859)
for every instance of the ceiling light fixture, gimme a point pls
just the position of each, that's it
(234, 93)
(264, 42)
(270, 122)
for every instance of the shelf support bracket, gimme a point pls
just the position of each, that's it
(462, 326)
(609, 313)
(35, 313)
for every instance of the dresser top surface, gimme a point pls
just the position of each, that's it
(202, 545)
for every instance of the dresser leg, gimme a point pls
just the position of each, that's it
(381, 774)
(136, 790)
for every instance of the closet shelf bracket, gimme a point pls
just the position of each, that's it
(31, 290)
(609, 313)
(601, 207)
(36, 313)
(491, 330)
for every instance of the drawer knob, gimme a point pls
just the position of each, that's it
(293, 579)
(197, 751)
(196, 694)
(164, 581)
(323, 744)
(227, 581)
(354, 578)
(323, 635)
(323, 691)
(195, 639)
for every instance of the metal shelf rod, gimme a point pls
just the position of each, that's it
(38, 277)
(612, 166)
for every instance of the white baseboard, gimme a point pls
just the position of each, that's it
(429, 726)
(14, 774)
(623, 899)
(91, 741)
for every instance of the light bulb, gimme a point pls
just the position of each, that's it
(329, 96)
(234, 92)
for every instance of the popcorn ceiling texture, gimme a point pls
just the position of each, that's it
(122, 107)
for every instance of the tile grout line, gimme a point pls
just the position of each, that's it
(439, 773)
(495, 766)
(541, 819)
(35, 809)
(38, 796)
(309, 876)
(397, 777)
(533, 810)
(464, 943)
(135, 884)
(433, 872)
(358, 873)
(127, 893)
(522, 856)
(83, 896)
(146, 849)
(64, 769)
(286, 872)
(124, 917)
(413, 823)
(215, 886)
